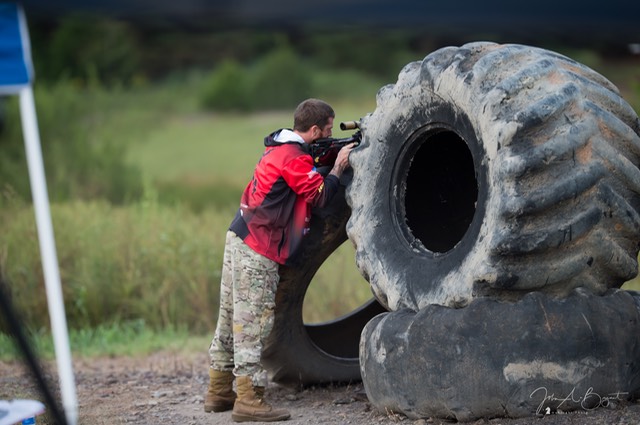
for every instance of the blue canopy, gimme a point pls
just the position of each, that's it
(16, 70)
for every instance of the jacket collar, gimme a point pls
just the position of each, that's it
(283, 136)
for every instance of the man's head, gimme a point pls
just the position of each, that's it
(313, 119)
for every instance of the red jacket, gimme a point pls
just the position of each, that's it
(275, 209)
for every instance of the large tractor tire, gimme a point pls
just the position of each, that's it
(506, 208)
(300, 354)
(537, 355)
(495, 170)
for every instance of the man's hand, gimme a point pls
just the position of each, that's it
(342, 161)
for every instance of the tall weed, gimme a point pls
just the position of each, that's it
(145, 262)
(158, 264)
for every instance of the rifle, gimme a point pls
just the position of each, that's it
(325, 151)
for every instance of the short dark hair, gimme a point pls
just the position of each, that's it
(312, 112)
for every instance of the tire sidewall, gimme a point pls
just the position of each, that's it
(392, 136)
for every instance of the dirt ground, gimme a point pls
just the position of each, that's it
(168, 388)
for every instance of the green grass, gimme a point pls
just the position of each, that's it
(144, 261)
(633, 284)
(336, 289)
(206, 159)
(200, 149)
(118, 339)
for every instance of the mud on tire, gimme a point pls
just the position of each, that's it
(460, 364)
(495, 170)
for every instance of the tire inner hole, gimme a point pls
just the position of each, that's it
(441, 190)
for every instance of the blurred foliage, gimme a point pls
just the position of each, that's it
(88, 48)
(93, 49)
(146, 263)
(78, 166)
(104, 143)
(227, 88)
(199, 197)
(142, 261)
(281, 80)
(128, 338)
(85, 47)
(86, 65)
(278, 80)
(382, 54)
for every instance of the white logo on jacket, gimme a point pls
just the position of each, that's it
(311, 174)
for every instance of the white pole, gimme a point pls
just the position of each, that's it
(48, 253)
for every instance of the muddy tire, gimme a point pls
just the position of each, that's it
(495, 170)
(537, 351)
(300, 354)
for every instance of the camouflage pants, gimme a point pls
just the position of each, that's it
(247, 303)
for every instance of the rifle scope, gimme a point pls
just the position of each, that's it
(349, 125)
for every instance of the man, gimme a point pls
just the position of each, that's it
(274, 215)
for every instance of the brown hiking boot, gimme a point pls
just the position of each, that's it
(220, 396)
(250, 405)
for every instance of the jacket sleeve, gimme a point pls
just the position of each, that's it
(301, 175)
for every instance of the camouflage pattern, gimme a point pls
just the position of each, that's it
(247, 303)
